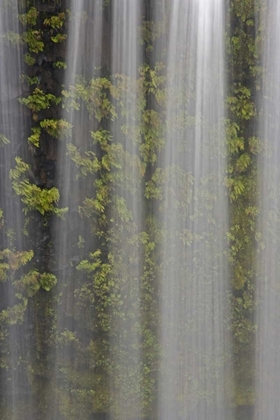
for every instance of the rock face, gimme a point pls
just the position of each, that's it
(50, 81)
(98, 274)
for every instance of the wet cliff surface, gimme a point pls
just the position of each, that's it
(66, 255)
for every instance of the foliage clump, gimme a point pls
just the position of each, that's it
(35, 198)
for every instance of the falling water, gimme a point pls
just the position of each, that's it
(75, 323)
(268, 291)
(126, 212)
(98, 363)
(194, 273)
(13, 381)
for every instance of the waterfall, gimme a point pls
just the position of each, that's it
(126, 212)
(194, 279)
(16, 325)
(128, 184)
(267, 283)
(75, 321)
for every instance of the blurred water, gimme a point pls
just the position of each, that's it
(103, 56)
(267, 290)
(126, 212)
(16, 349)
(75, 322)
(194, 280)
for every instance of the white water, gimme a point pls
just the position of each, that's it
(193, 212)
(84, 50)
(127, 192)
(267, 290)
(15, 388)
(194, 273)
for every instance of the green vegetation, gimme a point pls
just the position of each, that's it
(98, 266)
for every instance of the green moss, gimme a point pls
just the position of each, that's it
(35, 198)
(99, 269)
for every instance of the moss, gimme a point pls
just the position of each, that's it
(104, 275)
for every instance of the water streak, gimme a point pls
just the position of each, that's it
(268, 292)
(126, 212)
(14, 384)
(194, 271)
(75, 321)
